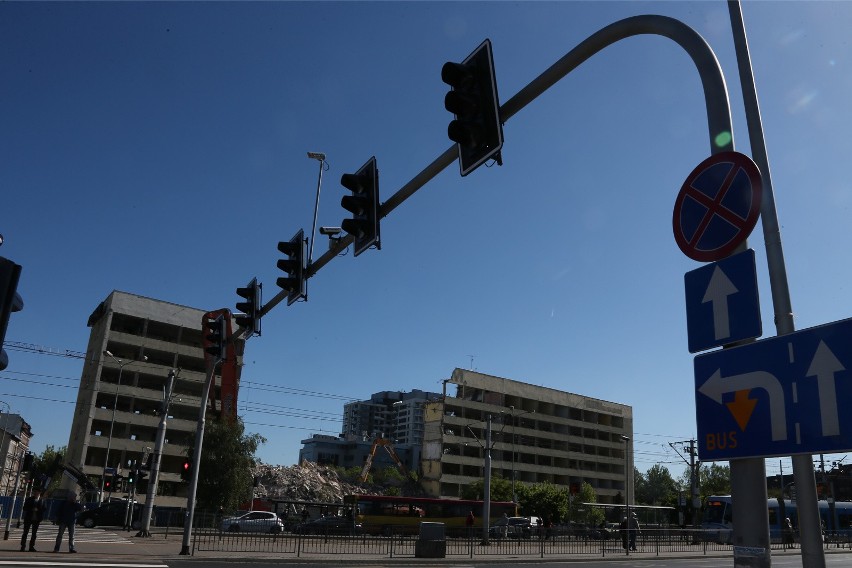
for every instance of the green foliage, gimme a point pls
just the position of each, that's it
(388, 476)
(227, 456)
(713, 479)
(656, 487)
(589, 516)
(501, 489)
(393, 491)
(43, 463)
(544, 500)
(349, 474)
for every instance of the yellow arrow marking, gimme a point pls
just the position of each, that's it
(742, 407)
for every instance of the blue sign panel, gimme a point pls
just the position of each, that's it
(722, 303)
(777, 397)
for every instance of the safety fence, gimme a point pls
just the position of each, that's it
(648, 543)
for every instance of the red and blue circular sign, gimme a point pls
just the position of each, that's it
(717, 207)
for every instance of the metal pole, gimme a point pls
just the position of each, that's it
(803, 470)
(627, 491)
(316, 204)
(514, 495)
(154, 474)
(111, 425)
(486, 486)
(196, 462)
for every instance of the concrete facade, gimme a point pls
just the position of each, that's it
(147, 339)
(15, 435)
(538, 435)
(352, 452)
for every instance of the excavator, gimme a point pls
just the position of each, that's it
(388, 446)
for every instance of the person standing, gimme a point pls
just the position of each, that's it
(469, 524)
(633, 530)
(33, 515)
(66, 517)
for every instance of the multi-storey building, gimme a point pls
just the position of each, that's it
(134, 343)
(538, 435)
(388, 414)
(15, 436)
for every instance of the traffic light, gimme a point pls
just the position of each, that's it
(117, 483)
(108, 483)
(10, 301)
(28, 461)
(131, 476)
(294, 266)
(186, 472)
(215, 335)
(364, 206)
(477, 128)
(250, 317)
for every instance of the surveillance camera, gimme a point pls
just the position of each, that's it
(330, 231)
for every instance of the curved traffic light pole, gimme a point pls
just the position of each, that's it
(712, 79)
(720, 138)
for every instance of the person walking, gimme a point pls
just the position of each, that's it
(33, 515)
(66, 517)
(469, 524)
(633, 530)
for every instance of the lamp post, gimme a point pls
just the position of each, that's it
(121, 365)
(627, 490)
(320, 157)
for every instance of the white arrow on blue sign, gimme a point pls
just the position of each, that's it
(722, 303)
(777, 397)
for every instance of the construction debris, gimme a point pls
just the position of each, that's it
(305, 482)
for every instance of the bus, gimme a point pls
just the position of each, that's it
(385, 515)
(718, 517)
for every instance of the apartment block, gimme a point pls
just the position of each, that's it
(133, 345)
(538, 434)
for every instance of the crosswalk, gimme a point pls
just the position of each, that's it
(46, 537)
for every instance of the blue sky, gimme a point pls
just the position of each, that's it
(160, 149)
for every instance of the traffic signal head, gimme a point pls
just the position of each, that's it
(250, 317)
(215, 333)
(29, 457)
(477, 128)
(10, 301)
(364, 205)
(186, 471)
(294, 265)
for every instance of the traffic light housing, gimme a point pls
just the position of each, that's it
(216, 335)
(29, 458)
(10, 301)
(249, 319)
(477, 128)
(294, 265)
(186, 471)
(108, 483)
(364, 225)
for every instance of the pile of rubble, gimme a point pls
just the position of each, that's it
(304, 482)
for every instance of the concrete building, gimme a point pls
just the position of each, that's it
(538, 435)
(15, 436)
(396, 415)
(120, 394)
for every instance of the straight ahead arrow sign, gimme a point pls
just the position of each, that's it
(823, 366)
(718, 290)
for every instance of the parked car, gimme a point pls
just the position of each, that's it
(253, 521)
(514, 527)
(109, 514)
(330, 525)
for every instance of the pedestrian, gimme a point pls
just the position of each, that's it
(538, 528)
(305, 515)
(548, 527)
(504, 526)
(469, 523)
(622, 528)
(66, 516)
(788, 533)
(633, 530)
(33, 515)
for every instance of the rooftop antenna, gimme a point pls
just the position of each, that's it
(471, 361)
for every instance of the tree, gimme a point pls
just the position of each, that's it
(227, 456)
(658, 487)
(543, 500)
(580, 513)
(501, 489)
(44, 464)
(713, 479)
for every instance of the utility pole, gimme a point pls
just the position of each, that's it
(145, 529)
(486, 486)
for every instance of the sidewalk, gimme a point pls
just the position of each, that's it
(157, 549)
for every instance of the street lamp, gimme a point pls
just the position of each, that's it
(627, 489)
(121, 365)
(320, 157)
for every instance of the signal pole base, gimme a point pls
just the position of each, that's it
(184, 551)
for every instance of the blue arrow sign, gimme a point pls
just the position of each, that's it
(722, 303)
(776, 397)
